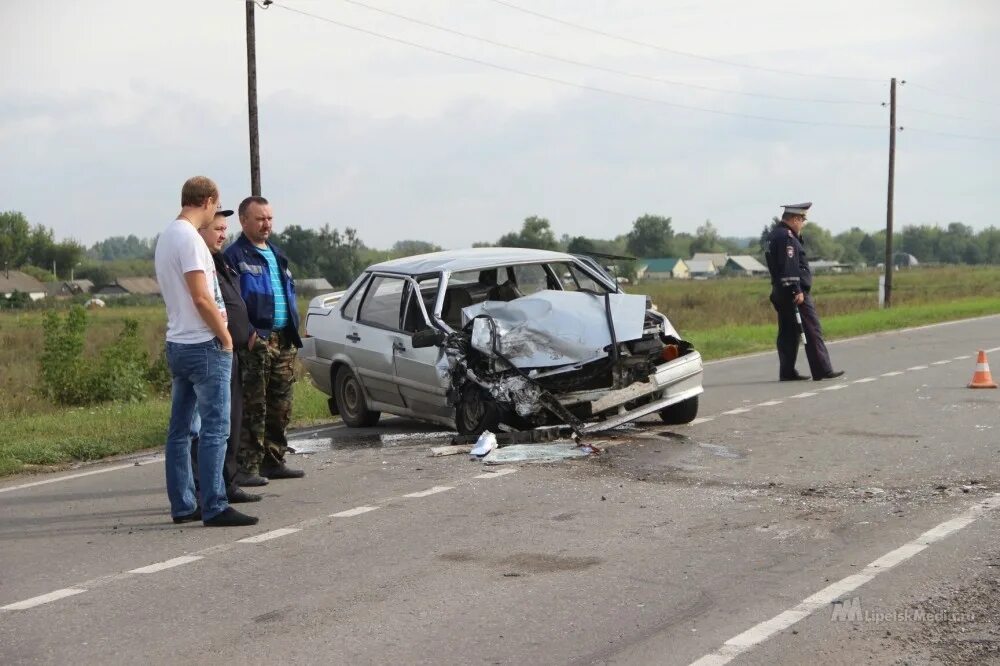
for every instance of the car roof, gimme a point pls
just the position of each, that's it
(467, 260)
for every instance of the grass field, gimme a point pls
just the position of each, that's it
(721, 317)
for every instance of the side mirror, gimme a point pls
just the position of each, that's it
(429, 337)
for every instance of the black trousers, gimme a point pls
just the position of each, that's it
(788, 337)
(230, 467)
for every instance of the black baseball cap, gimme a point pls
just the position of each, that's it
(224, 213)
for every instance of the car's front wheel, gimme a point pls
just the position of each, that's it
(351, 400)
(684, 411)
(476, 411)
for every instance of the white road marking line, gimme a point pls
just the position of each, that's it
(865, 380)
(917, 367)
(807, 394)
(166, 564)
(80, 475)
(770, 403)
(702, 419)
(43, 599)
(941, 362)
(892, 374)
(430, 491)
(356, 511)
(267, 536)
(761, 632)
(962, 358)
(738, 410)
(500, 472)
(990, 351)
(835, 387)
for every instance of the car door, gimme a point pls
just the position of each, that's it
(423, 389)
(371, 340)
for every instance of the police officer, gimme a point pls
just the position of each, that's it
(791, 281)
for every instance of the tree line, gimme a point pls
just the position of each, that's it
(339, 255)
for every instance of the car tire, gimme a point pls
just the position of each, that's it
(350, 398)
(476, 412)
(684, 411)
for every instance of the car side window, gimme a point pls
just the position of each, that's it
(413, 318)
(383, 303)
(574, 279)
(530, 278)
(350, 309)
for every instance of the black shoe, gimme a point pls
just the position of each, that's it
(230, 518)
(191, 517)
(239, 496)
(281, 472)
(833, 374)
(793, 378)
(248, 479)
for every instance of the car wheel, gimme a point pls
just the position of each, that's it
(351, 400)
(476, 412)
(684, 411)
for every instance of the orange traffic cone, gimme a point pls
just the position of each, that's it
(982, 378)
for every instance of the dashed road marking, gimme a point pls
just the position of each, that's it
(962, 358)
(770, 403)
(865, 380)
(738, 410)
(267, 536)
(945, 362)
(917, 367)
(702, 419)
(835, 387)
(166, 564)
(761, 632)
(430, 491)
(807, 394)
(356, 511)
(894, 373)
(499, 472)
(44, 598)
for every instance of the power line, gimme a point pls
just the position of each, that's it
(562, 82)
(951, 134)
(953, 95)
(600, 68)
(686, 54)
(943, 115)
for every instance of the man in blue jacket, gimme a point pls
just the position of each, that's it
(268, 366)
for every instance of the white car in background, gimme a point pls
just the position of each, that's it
(489, 338)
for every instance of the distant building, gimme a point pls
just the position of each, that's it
(313, 284)
(718, 259)
(662, 269)
(827, 266)
(68, 288)
(11, 281)
(904, 260)
(744, 265)
(132, 286)
(700, 269)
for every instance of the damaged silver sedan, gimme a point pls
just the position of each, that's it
(498, 339)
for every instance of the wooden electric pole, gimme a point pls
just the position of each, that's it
(252, 101)
(888, 206)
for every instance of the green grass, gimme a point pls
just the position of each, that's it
(722, 318)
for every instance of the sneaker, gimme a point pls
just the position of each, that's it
(833, 374)
(281, 471)
(230, 518)
(239, 496)
(249, 479)
(191, 517)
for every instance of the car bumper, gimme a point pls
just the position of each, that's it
(317, 367)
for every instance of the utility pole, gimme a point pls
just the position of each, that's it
(889, 201)
(252, 99)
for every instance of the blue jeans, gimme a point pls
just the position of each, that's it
(201, 381)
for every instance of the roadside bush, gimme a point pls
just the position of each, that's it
(158, 374)
(120, 373)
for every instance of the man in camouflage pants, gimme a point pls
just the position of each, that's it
(268, 367)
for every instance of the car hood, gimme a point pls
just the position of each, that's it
(554, 328)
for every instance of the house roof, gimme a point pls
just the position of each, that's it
(717, 258)
(700, 266)
(18, 281)
(313, 283)
(84, 285)
(139, 285)
(664, 265)
(747, 263)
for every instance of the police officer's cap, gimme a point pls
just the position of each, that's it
(797, 209)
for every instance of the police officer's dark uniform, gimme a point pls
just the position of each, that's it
(790, 275)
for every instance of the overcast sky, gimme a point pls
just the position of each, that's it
(107, 107)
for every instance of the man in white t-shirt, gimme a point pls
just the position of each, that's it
(200, 356)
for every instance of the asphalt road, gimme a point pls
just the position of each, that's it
(849, 521)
